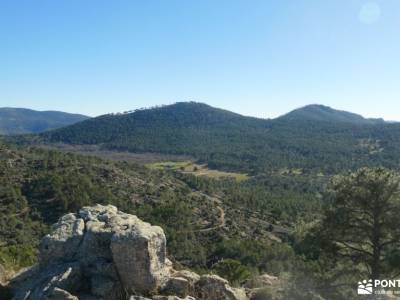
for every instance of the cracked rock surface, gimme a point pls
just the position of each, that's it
(102, 253)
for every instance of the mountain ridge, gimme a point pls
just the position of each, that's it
(23, 120)
(319, 112)
(306, 112)
(230, 141)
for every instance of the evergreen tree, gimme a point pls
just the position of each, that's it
(363, 223)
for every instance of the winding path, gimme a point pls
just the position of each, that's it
(221, 219)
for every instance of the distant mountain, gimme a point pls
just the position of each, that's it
(318, 112)
(313, 138)
(22, 120)
(178, 128)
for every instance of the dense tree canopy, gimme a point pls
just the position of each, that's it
(358, 235)
(363, 221)
(284, 219)
(312, 141)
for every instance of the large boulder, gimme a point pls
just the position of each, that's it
(102, 253)
(114, 254)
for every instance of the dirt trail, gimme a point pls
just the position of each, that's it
(222, 222)
(221, 219)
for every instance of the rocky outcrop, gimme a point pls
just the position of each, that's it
(264, 286)
(262, 281)
(102, 253)
(213, 287)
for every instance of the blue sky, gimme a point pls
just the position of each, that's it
(259, 58)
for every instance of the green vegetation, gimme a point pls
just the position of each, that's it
(209, 224)
(317, 112)
(363, 223)
(20, 120)
(172, 165)
(189, 167)
(38, 186)
(292, 216)
(358, 235)
(294, 226)
(313, 140)
(232, 270)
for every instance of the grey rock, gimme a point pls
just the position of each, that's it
(139, 254)
(104, 254)
(263, 280)
(88, 213)
(59, 294)
(213, 287)
(63, 243)
(101, 267)
(70, 279)
(191, 277)
(101, 286)
(38, 283)
(176, 286)
(106, 288)
(96, 243)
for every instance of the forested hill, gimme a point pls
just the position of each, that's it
(37, 186)
(304, 139)
(318, 112)
(22, 120)
(166, 122)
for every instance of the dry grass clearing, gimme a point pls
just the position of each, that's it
(189, 167)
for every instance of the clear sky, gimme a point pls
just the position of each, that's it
(260, 58)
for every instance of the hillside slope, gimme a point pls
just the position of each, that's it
(38, 186)
(316, 112)
(22, 120)
(230, 141)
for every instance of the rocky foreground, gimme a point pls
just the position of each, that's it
(103, 253)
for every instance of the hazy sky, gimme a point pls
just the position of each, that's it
(260, 58)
